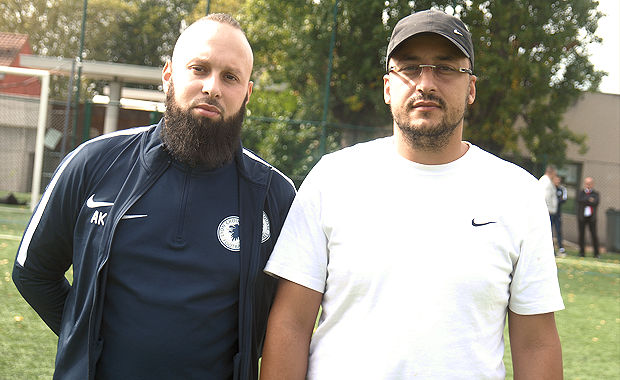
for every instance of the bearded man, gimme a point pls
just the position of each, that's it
(167, 227)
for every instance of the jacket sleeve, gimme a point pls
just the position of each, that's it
(595, 199)
(45, 252)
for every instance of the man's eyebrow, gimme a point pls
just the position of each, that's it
(207, 63)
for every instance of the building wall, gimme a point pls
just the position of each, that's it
(597, 115)
(16, 155)
(18, 124)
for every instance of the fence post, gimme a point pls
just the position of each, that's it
(38, 150)
(332, 42)
(88, 112)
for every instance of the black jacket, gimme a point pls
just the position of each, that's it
(122, 166)
(587, 199)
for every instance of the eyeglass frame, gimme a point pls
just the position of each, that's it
(453, 70)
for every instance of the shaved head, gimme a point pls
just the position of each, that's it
(206, 30)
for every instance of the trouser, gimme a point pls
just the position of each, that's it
(591, 222)
(556, 224)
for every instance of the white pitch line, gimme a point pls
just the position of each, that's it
(10, 237)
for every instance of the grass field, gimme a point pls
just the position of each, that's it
(589, 327)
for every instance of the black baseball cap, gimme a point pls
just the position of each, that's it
(432, 21)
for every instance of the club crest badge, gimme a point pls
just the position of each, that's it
(266, 228)
(229, 235)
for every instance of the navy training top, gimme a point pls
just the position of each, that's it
(171, 300)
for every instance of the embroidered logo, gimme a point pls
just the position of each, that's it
(91, 203)
(133, 216)
(473, 223)
(457, 32)
(98, 217)
(266, 228)
(228, 233)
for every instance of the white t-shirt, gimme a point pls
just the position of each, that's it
(417, 263)
(550, 194)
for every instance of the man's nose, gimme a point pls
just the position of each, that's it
(211, 86)
(426, 81)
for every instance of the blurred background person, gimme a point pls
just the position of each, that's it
(548, 188)
(556, 221)
(587, 204)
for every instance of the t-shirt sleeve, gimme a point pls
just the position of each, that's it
(300, 254)
(535, 288)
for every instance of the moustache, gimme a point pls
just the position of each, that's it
(207, 100)
(426, 97)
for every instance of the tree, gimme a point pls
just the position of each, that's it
(532, 65)
(530, 62)
(141, 32)
(291, 41)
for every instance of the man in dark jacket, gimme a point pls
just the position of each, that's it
(587, 204)
(167, 227)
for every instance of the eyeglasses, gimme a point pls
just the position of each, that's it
(441, 72)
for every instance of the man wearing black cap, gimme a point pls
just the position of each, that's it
(409, 246)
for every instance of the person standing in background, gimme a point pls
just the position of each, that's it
(562, 195)
(587, 204)
(548, 188)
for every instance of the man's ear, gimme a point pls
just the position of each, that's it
(387, 97)
(166, 76)
(247, 96)
(472, 90)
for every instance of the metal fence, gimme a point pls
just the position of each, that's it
(294, 146)
(18, 130)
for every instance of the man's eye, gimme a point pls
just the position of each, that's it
(445, 69)
(411, 69)
(230, 77)
(197, 69)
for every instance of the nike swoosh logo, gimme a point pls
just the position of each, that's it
(134, 216)
(473, 223)
(91, 203)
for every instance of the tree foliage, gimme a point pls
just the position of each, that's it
(531, 63)
(141, 32)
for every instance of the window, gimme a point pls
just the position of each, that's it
(571, 179)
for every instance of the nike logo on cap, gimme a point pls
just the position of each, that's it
(457, 32)
(473, 223)
(91, 203)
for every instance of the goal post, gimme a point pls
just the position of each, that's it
(41, 124)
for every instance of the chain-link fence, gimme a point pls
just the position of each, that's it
(18, 126)
(18, 129)
(64, 129)
(294, 146)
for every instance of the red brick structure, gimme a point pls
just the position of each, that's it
(11, 46)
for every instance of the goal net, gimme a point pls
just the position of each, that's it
(23, 120)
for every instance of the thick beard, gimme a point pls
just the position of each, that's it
(429, 138)
(200, 141)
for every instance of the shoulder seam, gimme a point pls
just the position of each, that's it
(253, 156)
